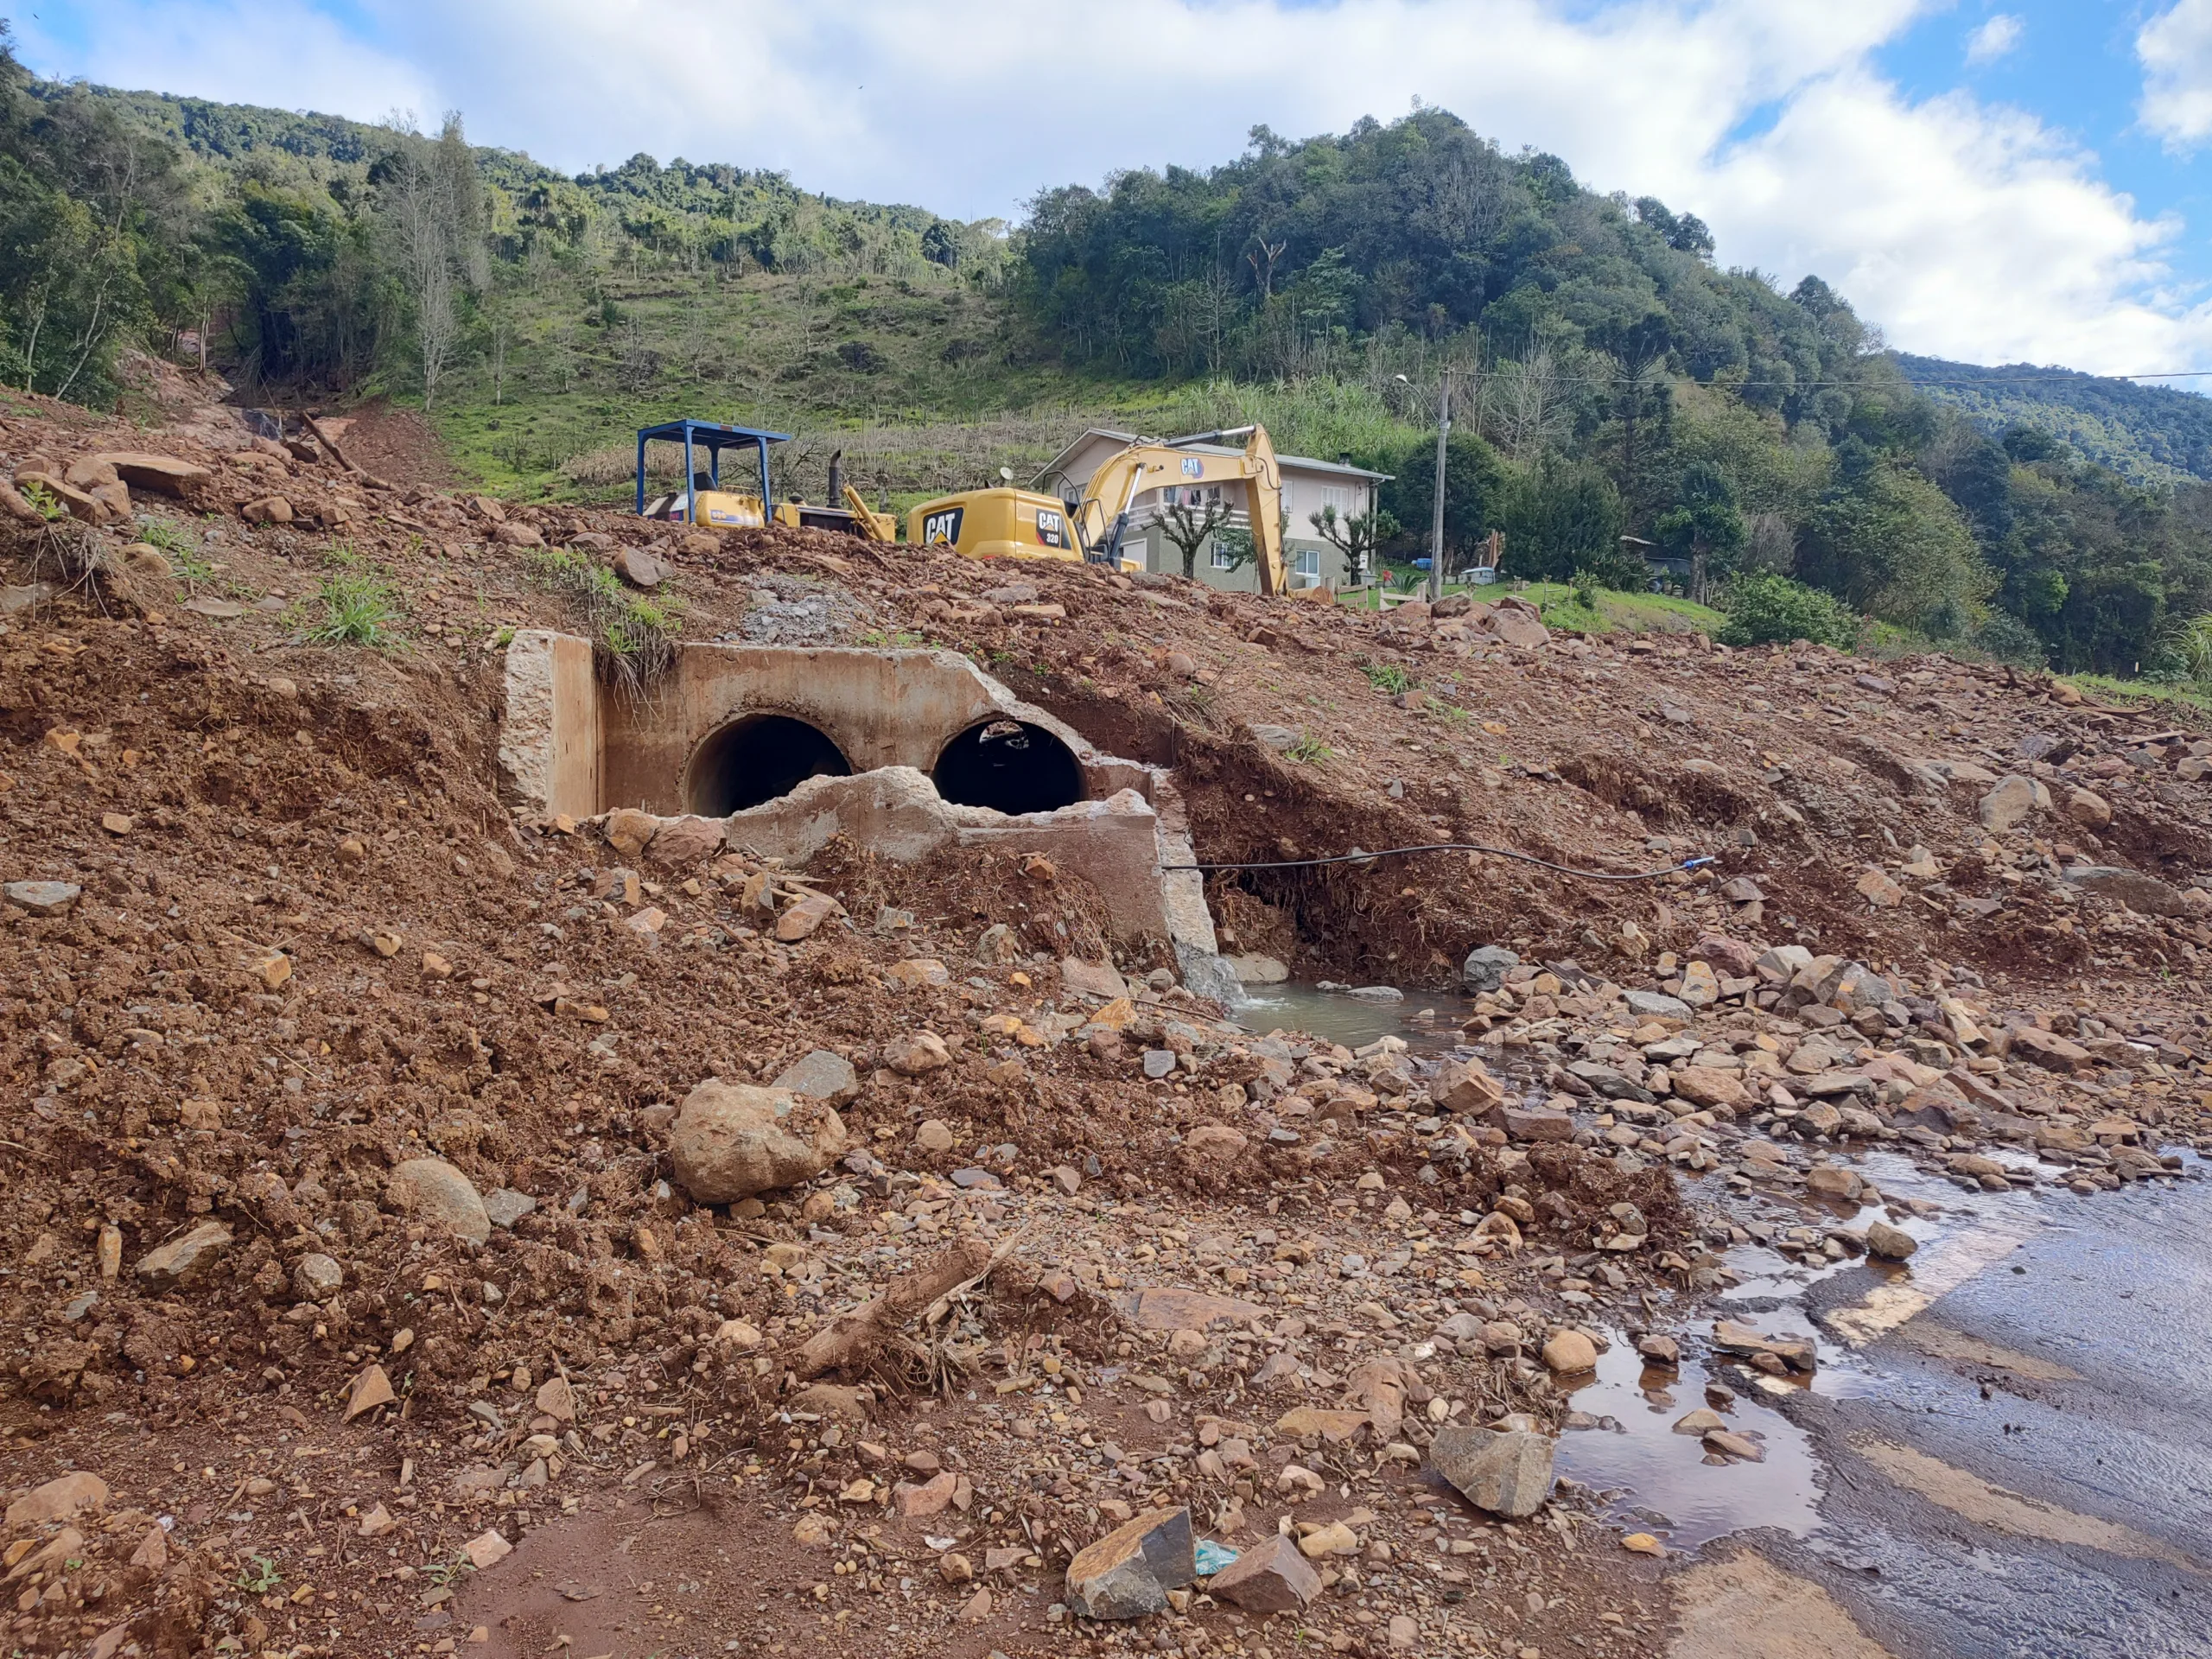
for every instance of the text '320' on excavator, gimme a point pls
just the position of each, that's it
(1027, 524)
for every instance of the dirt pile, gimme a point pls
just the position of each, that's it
(350, 1251)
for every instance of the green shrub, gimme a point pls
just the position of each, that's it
(1768, 610)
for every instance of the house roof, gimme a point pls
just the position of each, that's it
(1304, 463)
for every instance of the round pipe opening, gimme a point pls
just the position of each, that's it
(759, 758)
(1009, 766)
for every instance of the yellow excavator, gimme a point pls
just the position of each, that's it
(1008, 523)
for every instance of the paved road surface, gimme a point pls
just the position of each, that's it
(2007, 1453)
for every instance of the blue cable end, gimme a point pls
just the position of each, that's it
(1693, 863)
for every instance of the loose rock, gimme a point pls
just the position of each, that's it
(441, 1195)
(732, 1140)
(1128, 1573)
(1507, 1473)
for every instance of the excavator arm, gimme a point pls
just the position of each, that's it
(1101, 517)
(868, 524)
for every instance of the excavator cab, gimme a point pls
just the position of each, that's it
(1092, 524)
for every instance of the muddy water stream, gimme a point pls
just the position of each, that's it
(1342, 1017)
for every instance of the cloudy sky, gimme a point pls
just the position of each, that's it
(1989, 179)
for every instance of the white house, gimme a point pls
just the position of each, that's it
(1308, 485)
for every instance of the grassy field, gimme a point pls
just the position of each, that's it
(1562, 607)
(1636, 612)
(919, 383)
(923, 383)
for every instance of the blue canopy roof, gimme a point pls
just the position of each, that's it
(711, 434)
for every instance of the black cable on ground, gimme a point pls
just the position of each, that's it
(1442, 847)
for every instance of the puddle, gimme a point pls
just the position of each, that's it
(1976, 1230)
(1352, 1020)
(1659, 1481)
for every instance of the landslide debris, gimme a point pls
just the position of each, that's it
(375, 1282)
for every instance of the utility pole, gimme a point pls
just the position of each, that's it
(1436, 521)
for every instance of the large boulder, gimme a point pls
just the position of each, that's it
(1128, 1573)
(2012, 801)
(684, 840)
(1520, 625)
(822, 1074)
(164, 474)
(732, 1140)
(1484, 968)
(1656, 1005)
(2144, 894)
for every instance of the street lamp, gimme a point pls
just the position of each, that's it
(1436, 518)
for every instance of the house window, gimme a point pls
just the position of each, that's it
(1305, 567)
(1339, 496)
(1224, 559)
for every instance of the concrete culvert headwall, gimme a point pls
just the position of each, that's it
(1010, 767)
(756, 760)
(776, 750)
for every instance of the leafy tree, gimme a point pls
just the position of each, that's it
(1473, 476)
(93, 236)
(1892, 544)
(1767, 609)
(1561, 517)
(1704, 523)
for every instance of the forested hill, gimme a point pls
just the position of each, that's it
(721, 211)
(1621, 378)
(2151, 434)
(1610, 376)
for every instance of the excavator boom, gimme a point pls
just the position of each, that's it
(1102, 517)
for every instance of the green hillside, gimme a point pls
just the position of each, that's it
(2150, 433)
(1610, 378)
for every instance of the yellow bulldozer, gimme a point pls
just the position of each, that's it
(1009, 522)
(704, 501)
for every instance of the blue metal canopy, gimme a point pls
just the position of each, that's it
(714, 438)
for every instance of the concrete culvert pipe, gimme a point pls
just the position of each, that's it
(1009, 766)
(759, 758)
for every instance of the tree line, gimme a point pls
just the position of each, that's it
(318, 255)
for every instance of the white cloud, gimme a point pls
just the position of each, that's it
(1965, 231)
(2175, 50)
(1961, 229)
(1994, 38)
(282, 54)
